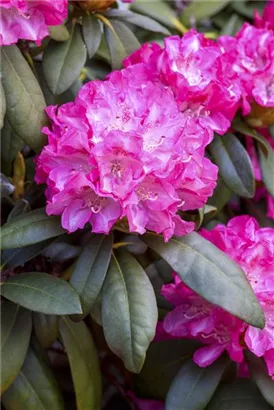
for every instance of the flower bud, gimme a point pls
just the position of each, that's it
(94, 5)
(260, 116)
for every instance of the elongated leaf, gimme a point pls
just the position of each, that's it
(138, 20)
(220, 196)
(267, 168)
(22, 206)
(121, 42)
(209, 272)
(15, 336)
(59, 33)
(6, 187)
(84, 364)
(234, 164)
(2, 106)
(261, 377)
(35, 387)
(63, 62)
(90, 270)
(33, 227)
(240, 126)
(42, 293)
(232, 26)
(199, 9)
(158, 10)
(92, 33)
(46, 328)
(129, 311)
(11, 144)
(25, 101)
(163, 361)
(241, 395)
(194, 386)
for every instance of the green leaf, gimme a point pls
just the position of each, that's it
(158, 10)
(92, 33)
(6, 187)
(194, 386)
(245, 8)
(232, 26)
(3, 106)
(220, 196)
(262, 379)
(21, 207)
(139, 20)
(84, 364)
(121, 42)
(211, 273)
(25, 100)
(43, 293)
(90, 270)
(129, 311)
(59, 33)
(267, 168)
(32, 227)
(199, 9)
(35, 387)
(240, 126)
(234, 164)
(46, 328)
(163, 361)
(241, 395)
(15, 337)
(11, 143)
(63, 62)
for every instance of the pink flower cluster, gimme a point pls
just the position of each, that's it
(261, 191)
(29, 19)
(267, 19)
(251, 57)
(193, 317)
(130, 147)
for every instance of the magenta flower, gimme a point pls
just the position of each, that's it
(29, 19)
(124, 149)
(193, 317)
(199, 75)
(267, 19)
(251, 54)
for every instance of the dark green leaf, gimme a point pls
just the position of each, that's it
(90, 270)
(211, 273)
(129, 311)
(139, 20)
(163, 361)
(220, 196)
(11, 144)
(262, 379)
(2, 106)
(33, 227)
(267, 168)
(240, 126)
(194, 386)
(245, 8)
(158, 10)
(45, 328)
(84, 364)
(59, 33)
(25, 100)
(121, 42)
(43, 293)
(92, 33)
(6, 187)
(21, 207)
(35, 387)
(200, 9)
(241, 395)
(63, 62)
(15, 336)
(232, 26)
(234, 164)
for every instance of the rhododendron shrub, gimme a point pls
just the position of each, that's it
(137, 205)
(193, 317)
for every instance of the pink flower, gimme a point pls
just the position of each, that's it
(193, 317)
(145, 404)
(199, 75)
(267, 19)
(124, 149)
(29, 19)
(251, 54)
